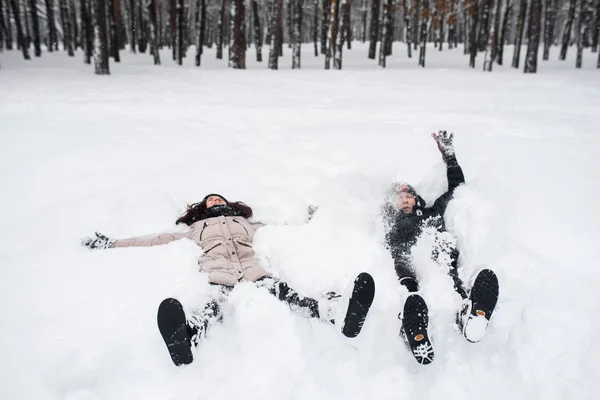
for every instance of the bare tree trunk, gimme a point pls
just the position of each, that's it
(221, 29)
(296, 32)
(496, 27)
(154, 33)
(452, 26)
(375, 5)
(566, 38)
(484, 24)
(67, 30)
(520, 29)
(179, 45)
(596, 32)
(142, 25)
(9, 35)
(385, 25)
(114, 30)
(507, 14)
(73, 18)
(316, 27)
(37, 43)
(390, 29)
(257, 31)
(424, 31)
(20, 35)
(348, 24)
(466, 31)
(407, 23)
(237, 48)
(276, 38)
(473, 34)
(417, 21)
(88, 31)
(332, 33)
(289, 10)
(325, 24)
(101, 40)
(548, 27)
(490, 48)
(580, 32)
(364, 21)
(132, 26)
(535, 28)
(2, 26)
(442, 14)
(341, 34)
(24, 9)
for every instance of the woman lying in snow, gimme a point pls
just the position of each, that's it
(223, 230)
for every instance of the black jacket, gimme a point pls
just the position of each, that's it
(405, 229)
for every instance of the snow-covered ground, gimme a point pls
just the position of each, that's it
(124, 154)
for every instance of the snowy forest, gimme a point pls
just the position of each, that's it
(477, 28)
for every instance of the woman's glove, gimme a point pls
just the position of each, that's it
(100, 242)
(444, 143)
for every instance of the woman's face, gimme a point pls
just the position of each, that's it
(214, 200)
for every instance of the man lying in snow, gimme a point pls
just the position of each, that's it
(406, 217)
(223, 230)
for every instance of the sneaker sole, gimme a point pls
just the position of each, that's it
(172, 325)
(359, 304)
(415, 321)
(483, 299)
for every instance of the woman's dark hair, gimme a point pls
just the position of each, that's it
(198, 211)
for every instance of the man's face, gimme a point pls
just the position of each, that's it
(213, 201)
(405, 202)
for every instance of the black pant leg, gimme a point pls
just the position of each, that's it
(303, 305)
(204, 317)
(459, 286)
(406, 273)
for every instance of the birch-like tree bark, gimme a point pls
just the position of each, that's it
(385, 26)
(154, 32)
(331, 33)
(579, 30)
(406, 10)
(341, 34)
(533, 42)
(424, 31)
(326, 10)
(20, 34)
(484, 23)
(114, 30)
(548, 27)
(179, 50)
(520, 29)
(221, 29)
(375, 6)
(596, 31)
(101, 39)
(566, 38)
(258, 31)
(67, 29)
(237, 53)
(316, 27)
(87, 28)
(133, 27)
(473, 34)
(507, 15)
(296, 32)
(276, 37)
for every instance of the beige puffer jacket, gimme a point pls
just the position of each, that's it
(227, 243)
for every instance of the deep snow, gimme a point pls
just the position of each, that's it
(124, 154)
